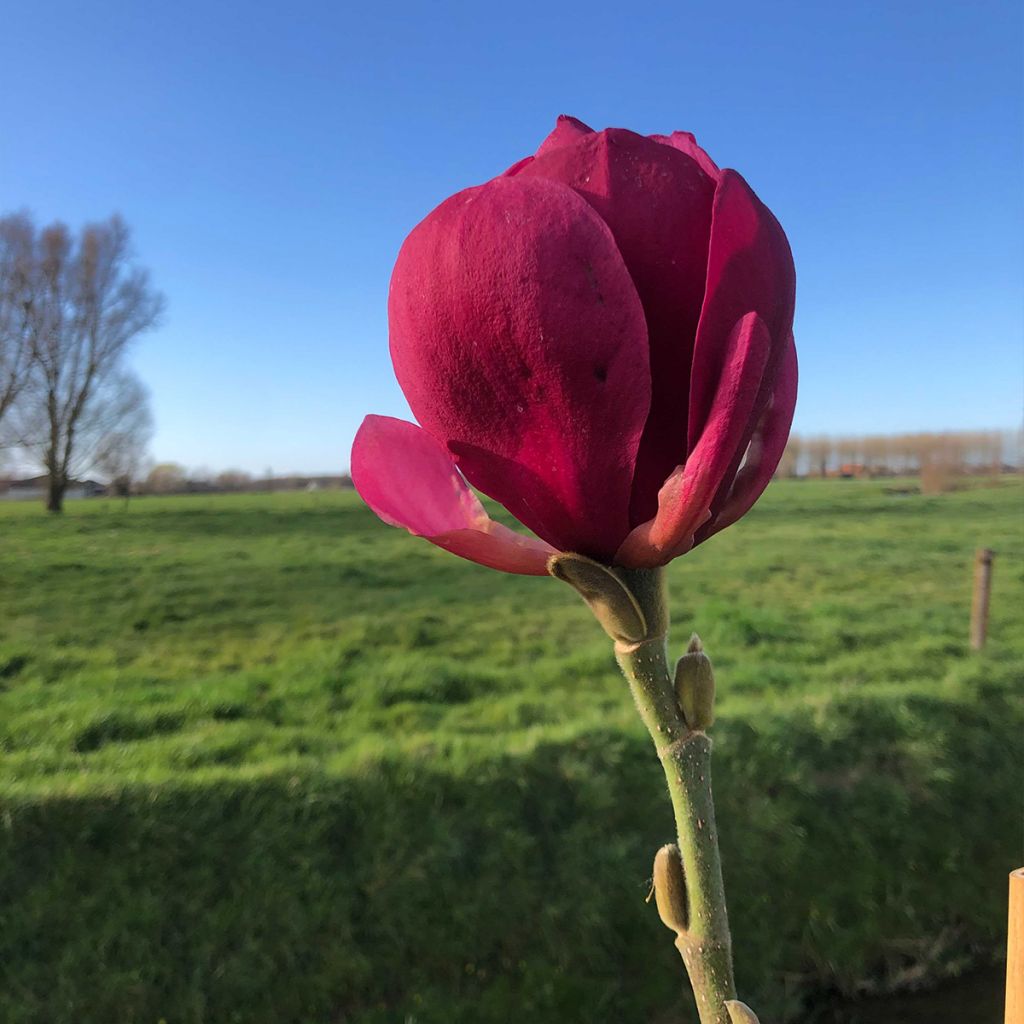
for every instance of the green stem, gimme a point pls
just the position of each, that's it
(685, 755)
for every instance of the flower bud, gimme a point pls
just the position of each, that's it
(670, 888)
(541, 324)
(695, 686)
(740, 1013)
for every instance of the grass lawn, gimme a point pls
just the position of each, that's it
(264, 758)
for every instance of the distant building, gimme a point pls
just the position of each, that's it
(35, 489)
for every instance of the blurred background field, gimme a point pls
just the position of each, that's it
(263, 758)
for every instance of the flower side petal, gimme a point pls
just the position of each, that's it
(684, 501)
(410, 480)
(766, 448)
(750, 268)
(520, 343)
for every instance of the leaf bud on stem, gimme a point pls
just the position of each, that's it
(695, 686)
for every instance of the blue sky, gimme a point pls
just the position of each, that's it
(271, 158)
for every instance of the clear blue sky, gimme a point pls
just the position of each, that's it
(271, 158)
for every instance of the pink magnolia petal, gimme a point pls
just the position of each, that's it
(657, 201)
(410, 481)
(684, 502)
(498, 547)
(766, 448)
(520, 342)
(750, 268)
(686, 142)
(518, 166)
(567, 130)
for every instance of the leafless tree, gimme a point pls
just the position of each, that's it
(789, 464)
(165, 478)
(89, 303)
(121, 450)
(16, 286)
(940, 456)
(819, 452)
(234, 480)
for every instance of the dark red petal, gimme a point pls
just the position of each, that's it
(567, 130)
(686, 142)
(519, 341)
(750, 267)
(518, 166)
(657, 201)
(766, 448)
(410, 480)
(684, 502)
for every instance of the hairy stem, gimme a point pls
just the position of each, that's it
(685, 755)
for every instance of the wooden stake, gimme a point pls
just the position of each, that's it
(1015, 951)
(982, 589)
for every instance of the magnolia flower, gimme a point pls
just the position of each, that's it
(601, 340)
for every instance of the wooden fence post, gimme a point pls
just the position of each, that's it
(982, 588)
(1015, 951)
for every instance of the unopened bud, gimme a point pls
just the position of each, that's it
(695, 686)
(740, 1013)
(670, 888)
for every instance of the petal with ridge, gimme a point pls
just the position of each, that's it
(520, 343)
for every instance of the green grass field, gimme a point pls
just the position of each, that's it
(263, 758)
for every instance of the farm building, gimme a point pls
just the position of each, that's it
(34, 489)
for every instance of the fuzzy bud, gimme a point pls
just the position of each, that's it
(695, 686)
(670, 888)
(740, 1013)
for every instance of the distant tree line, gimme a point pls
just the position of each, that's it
(173, 478)
(70, 307)
(936, 457)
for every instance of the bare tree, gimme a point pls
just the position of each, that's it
(819, 452)
(165, 478)
(234, 480)
(938, 457)
(121, 450)
(16, 283)
(89, 303)
(789, 464)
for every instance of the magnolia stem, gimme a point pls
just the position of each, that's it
(685, 755)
